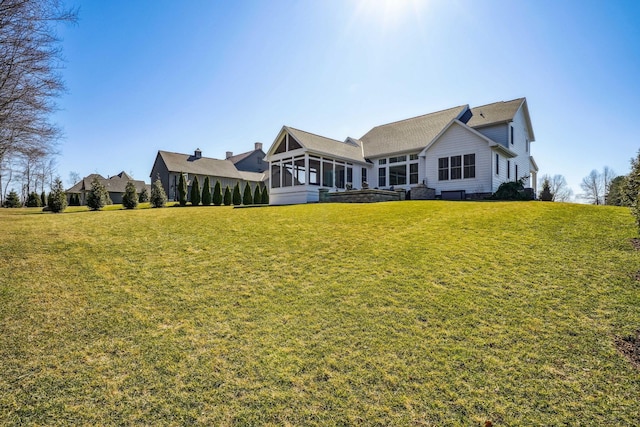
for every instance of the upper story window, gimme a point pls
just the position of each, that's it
(397, 159)
(511, 128)
(288, 143)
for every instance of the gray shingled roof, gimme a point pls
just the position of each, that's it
(253, 176)
(115, 184)
(238, 157)
(177, 162)
(331, 147)
(498, 112)
(408, 135)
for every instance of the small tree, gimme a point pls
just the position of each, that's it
(545, 194)
(206, 192)
(265, 196)
(12, 200)
(33, 200)
(57, 197)
(144, 195)
(247, 197)
(257, 197)
(217, 194)
(43, 198)
(227, 196)
(97, 198)
(182, 190)
(631, 191)
(130, 196)
(195, 192)
(616, 191)
(158, 196)
(237, 198)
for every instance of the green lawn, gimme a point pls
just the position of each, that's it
(404, 313)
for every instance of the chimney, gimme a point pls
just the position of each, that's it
(229, 154)
(197, 154)
(258, 146)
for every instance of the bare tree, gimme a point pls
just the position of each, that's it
(74, 177)
(596, 185)
(30, 60)
(560, 190)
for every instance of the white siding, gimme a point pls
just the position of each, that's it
(501, 177)
(520, 136)
(460, 141)
(499, 133)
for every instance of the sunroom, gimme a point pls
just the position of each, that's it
(301, 163)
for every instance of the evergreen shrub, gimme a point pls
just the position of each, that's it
(57, 198)
(144, 195)
(97, 197)
(217, 194)
(130, 196)
(206, 192)
(195, 192)
(247, 197)
(237, 198)
(182, 190)
(12, 200)
(33, 200)
(227, 196)
(158, 196)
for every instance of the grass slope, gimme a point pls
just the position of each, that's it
(412, 313)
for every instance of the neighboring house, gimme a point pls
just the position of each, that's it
(251, 161)
(115, 186)
(460, 152)
(168, 167)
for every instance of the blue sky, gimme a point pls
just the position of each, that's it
(153, 75)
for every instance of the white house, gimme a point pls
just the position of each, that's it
(460, 152)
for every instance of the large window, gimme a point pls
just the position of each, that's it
(314, 171)
(340, 175)
(413, 173)
(299, 172)
(287, 173)
(469, 165)
(398, 175)
(443, 169)
(327, 174)
(456, 167)
(364, 175)
(382, 177)
(275, 175)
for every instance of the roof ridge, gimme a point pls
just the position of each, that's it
(315, 134)
(500, 102)
(421, 115)
(191, 155)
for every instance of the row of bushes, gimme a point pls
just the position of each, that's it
(257, 196)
